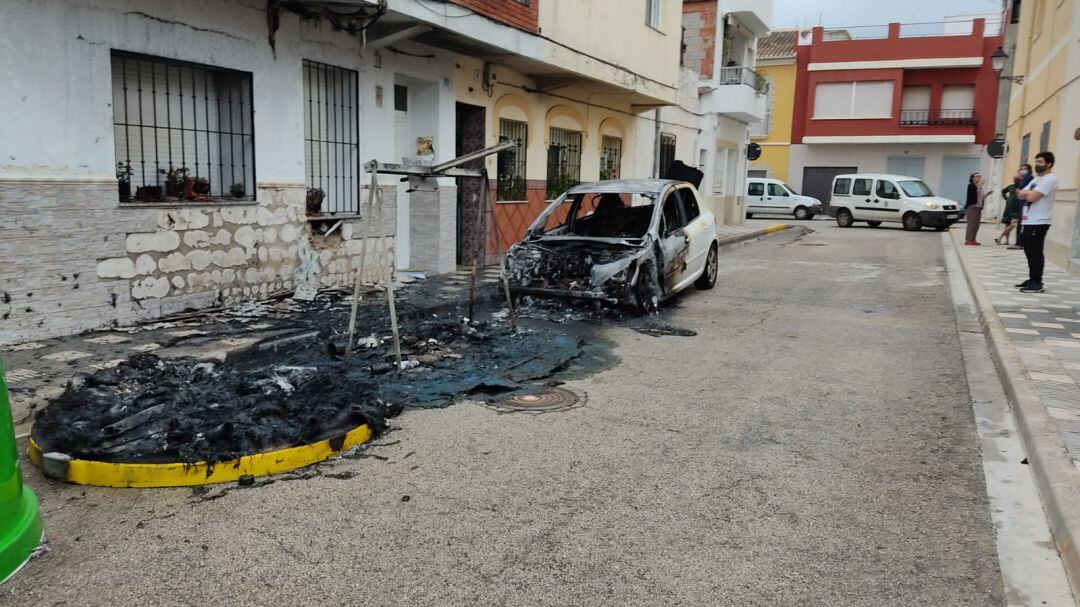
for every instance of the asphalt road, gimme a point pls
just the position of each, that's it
(814, 444)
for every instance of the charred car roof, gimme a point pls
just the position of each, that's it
(624, 186)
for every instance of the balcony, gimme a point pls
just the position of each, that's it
(940, 117)
(740, 94)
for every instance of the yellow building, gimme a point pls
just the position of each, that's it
(776, 61)
(1043, 112)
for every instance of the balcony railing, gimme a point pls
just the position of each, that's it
(744, 75)
(937, 117)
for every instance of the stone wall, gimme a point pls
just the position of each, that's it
(72, 258)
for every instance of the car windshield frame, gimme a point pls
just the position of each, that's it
(575, 198)
(912, 194)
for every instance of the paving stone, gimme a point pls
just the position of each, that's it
(66, 355)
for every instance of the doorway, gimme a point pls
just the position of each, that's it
(471, 225)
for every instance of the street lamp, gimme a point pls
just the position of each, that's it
(997, 62)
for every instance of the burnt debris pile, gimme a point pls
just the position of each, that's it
(155, 410)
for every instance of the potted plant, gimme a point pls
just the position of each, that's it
(201, 186)
(148, 193)
(123, 179)
(315, 197)
(238, 190)
(176, 180)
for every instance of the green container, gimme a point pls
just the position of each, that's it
(20, 524)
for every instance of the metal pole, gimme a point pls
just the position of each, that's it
(393, 316)
(360, 270)
(498, 244)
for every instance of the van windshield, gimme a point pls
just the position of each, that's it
(915, 188)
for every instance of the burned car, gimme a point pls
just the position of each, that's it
(632, 242)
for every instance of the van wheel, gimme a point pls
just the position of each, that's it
(844, 218)
(802, 213)
(912, 223)
(873, 224)
(712, 267)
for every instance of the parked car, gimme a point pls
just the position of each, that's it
(631, 242)
(877, 198)
(776, 197)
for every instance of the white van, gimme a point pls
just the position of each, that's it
(776, 197)
(876, 198)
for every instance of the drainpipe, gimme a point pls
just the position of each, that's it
(997, 166)
(656, 144)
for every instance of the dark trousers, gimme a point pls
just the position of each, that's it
(974, 218)
(1034, 238)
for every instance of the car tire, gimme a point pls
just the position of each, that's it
(647, 290)
(803, 213)
(707, 280)
(873, 224)
(749, 215)
(912, 223)
(941, 228)
(844, 219)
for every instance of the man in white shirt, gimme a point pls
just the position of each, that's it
(1038, 198)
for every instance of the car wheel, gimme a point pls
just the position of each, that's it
(912, 223)
(844, 218)
(802, 213)
(647, 290)
(712, 267)
(749, 215)
(873, 224)
(941, 228)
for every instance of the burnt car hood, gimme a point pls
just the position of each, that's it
(587, 268)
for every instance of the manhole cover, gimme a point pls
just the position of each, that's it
(549, 399)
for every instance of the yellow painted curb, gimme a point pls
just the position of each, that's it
(776, 228)
(105, 474)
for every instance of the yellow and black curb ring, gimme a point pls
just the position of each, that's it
(106, 474)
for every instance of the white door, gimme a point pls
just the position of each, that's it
(696, 229)
(887, 199)
(755, 197)
(778, 199)
(862, 199)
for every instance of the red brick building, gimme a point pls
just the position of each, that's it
(899, 102)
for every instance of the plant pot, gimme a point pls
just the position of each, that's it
(174, 190)
(125, 190)
(148, 193)
(202, 188)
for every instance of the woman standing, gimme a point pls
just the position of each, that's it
(1011, 217)
(976, 194)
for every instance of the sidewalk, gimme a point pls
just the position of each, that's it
(1035, 342)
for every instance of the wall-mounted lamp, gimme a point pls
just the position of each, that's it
(997, 62)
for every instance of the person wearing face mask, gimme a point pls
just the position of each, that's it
(1038, 197)
(1010, 218)
(976, 195)
(1025, 178)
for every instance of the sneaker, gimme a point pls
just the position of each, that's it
(1023, 284)
(1014, 247)
(1033, 288)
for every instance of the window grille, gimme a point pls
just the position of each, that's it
(564, 161)
(182, 130)
(331, 136)
(667, 153)
(511, 173)
(610, 157)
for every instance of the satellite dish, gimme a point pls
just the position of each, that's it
(753, 152)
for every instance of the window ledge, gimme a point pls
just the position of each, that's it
(339, 217)
(511, 202)
(223, 202)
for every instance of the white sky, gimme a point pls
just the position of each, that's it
(841, 13)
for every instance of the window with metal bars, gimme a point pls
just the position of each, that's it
(331, 136)
(564, 161)
(182, 130)
(511, 173)
(667, 153)
(610, 157)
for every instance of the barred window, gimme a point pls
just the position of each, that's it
(564, 161)
(182, 130)
(331, 136)
(511, 173)
(667, 153)
(610, 157)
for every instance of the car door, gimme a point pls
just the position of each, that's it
(887, 199)
(862, 199)
(778, 199)
(697, 230)
(674, 243)
(755, 196)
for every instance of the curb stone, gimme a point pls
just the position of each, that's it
(1056, 476)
